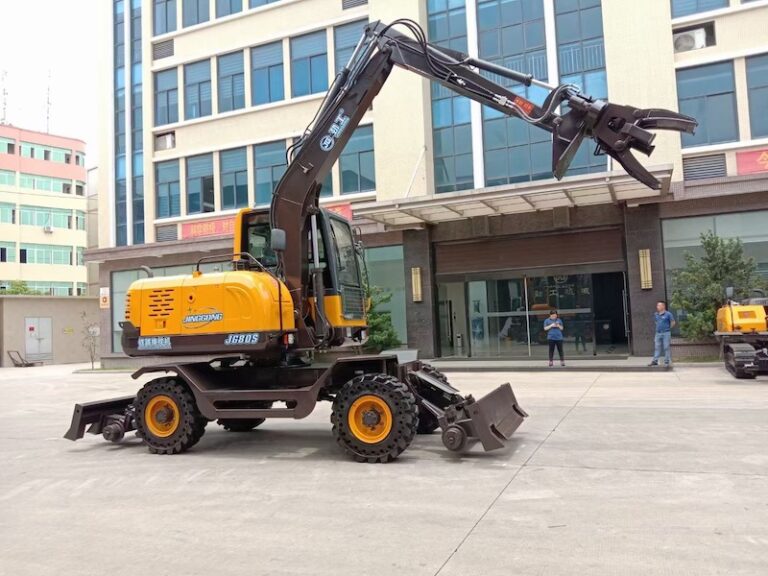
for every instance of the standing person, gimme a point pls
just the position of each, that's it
(663, 336)
(553, 326)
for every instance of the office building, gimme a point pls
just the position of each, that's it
(207, 94)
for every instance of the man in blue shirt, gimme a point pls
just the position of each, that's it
(663, 337)
(553, 326)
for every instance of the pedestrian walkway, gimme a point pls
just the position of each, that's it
(624, 364)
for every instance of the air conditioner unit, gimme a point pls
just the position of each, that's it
(690, 40)
(165, 141)
(48, 229)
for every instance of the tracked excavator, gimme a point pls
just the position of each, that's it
(742, 329)
(296, 288)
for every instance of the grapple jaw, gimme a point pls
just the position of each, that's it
(617, 130)
(492, 419)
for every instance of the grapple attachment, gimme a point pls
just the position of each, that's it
(616, 130)
(492, 419)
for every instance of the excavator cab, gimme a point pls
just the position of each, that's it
(332, 267)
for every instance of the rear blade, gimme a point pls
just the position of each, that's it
(93, 413)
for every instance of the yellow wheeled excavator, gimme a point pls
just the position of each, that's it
(296, 288)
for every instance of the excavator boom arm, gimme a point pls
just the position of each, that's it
(617, 130)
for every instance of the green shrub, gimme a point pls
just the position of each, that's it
(381, 331)
(699, 288)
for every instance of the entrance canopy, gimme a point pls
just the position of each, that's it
(586, 190)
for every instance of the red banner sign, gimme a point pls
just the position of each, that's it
(752, 162)
(344, 210)
(217, 227)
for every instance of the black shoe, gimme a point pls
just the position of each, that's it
(653, 364)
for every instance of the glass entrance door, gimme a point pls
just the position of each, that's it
(571, 295)
(499, 318)
(452, 319)
(505, 318)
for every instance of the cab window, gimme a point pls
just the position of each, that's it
(258, 244)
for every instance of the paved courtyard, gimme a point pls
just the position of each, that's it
(612, 474)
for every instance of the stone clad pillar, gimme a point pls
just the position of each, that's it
(643, 230)
(421, 319)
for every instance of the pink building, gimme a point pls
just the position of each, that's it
(42, 211)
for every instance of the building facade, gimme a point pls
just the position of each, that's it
(42, 212)
(462, 220)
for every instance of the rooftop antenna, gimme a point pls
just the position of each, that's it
(48, 105)
(3, 118)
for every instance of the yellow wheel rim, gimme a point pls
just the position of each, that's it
(162, 416)
(370, 419)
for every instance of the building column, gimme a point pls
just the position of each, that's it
(642, 228)
(421, 323)
(105, 314)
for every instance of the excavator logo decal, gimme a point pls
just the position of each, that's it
(336, 129)
(202, 318)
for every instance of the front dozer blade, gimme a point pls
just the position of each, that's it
(492, 420)
(495, 417)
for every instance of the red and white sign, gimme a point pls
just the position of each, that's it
(752, 162)
(214, 227)
(344, 210)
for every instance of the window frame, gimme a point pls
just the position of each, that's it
(169, 17)
(275, 170)
(198, 89)
(230, 7)
(313, 61)
(268, 70)
(230, 103)
(690, 140)
(200, 6)
(354, 157)
(237, 179)
(167, 189)
(757, 106)
(204, 184)
(172, 113)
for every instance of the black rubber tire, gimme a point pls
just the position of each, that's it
(402, 404)
(427, 421)
(191, 426)
(240, 424)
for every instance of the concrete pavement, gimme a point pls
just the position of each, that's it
(613, 473)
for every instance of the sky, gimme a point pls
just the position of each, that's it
(60, 38)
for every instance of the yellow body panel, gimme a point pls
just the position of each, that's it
(741, 318)
(220, 302)
(333, 312)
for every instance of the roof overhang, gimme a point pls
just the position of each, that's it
(586, 190)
